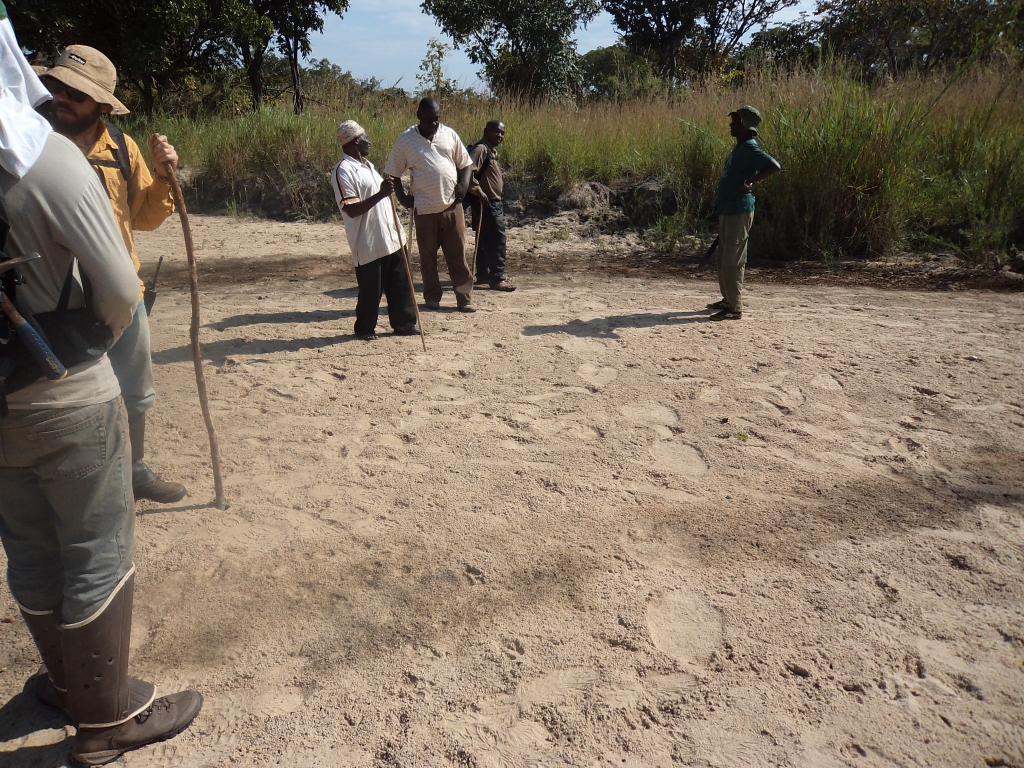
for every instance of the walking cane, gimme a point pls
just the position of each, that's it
(408, 269)
(476, 244)
(197, 355)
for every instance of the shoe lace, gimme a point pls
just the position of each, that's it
(158, 706)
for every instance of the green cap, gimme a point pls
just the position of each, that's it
(750, 118)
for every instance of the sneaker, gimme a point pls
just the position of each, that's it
(726, 314)
(719, 305)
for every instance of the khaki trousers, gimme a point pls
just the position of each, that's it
(445, 230)
(733, 234)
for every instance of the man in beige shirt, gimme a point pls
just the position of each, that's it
(66, 510)
(82, 83)
(441, 170)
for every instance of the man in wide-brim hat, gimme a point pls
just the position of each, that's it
(82, 83)
(746, 165)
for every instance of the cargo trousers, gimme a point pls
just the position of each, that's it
(67, 512)
(733, 235)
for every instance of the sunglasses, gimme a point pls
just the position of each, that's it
(55, 87)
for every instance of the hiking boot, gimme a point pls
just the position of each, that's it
(726, 314)
(503, 285)
(467, 308)
(160, 491)
(723, 304)
(433, 306)
(164, 719)
(145, 483)
(115, 713)
(412, 330)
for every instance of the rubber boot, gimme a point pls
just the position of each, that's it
(48, 683)
(113, 712)
(145, 483)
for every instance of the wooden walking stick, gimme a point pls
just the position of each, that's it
(408, 268)
(197, 355)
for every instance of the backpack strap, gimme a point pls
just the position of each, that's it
(122, 160)
(487, 160)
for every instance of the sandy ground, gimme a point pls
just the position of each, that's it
(586, 528)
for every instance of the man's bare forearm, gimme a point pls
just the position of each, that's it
(404, 197)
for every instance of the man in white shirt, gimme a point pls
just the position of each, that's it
(441, 170)
(375, 241)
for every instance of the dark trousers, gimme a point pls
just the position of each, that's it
(490, 256)
(384, 277)
(445, 230)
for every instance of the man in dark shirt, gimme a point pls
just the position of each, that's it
(485, 192)
(746, 165)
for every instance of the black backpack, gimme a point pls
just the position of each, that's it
(75, 335)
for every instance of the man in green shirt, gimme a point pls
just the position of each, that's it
(746, 165)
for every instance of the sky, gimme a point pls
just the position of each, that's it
(388, 39)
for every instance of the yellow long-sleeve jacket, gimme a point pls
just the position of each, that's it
(142, 202)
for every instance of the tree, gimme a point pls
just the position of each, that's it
(658, 28)
(617, 73)
(290, 22)
(796, 43)
(525, 46)
(692, 36)
(432, 79)
(894, 36)
(722, 27)
(153, 44)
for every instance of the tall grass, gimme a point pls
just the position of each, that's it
(867, 169)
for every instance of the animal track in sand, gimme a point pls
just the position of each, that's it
(827, 382)
(684, 625)
(679, 458)
(597, 376)
(499, 735)
(649, 414)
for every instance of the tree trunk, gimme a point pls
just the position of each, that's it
(252, 59)
(298, 98)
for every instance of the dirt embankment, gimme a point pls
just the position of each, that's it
(588, 527)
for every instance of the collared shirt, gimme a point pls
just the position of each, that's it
(59, 210)
(373, 235)
(747, 159)
(489, 181)
(435, 165)
(142, 202)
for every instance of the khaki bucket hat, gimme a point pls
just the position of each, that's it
(750, 118)
(87, 70)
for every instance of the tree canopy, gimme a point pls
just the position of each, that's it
(156, 44)
(524, 46)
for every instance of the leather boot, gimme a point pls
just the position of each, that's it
(48, 683)
(145, 483)
(113, 712)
